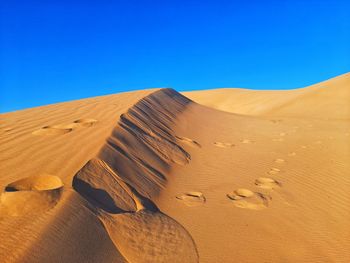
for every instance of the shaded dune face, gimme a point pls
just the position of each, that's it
(103, 188)
(31, 195)
(143, 146)
(130, 170)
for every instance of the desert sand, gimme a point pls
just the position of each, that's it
(225, 175)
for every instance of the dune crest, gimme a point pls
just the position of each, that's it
(130, 170)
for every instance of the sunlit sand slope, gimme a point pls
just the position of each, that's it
(325, 100)
(152, 176)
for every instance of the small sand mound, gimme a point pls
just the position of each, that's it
(268, 183)
(52, 130)
(192, 198)
(245, 198)
(30, 195)
(36, 183)
(85, 122)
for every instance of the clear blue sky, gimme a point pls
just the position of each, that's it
(53, 51)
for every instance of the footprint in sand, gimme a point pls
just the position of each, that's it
(31, 195)
(267, 183)
(279, 160)
(53, 130)
(63, 129)
(224, 144)
(85, 122)
(192, 198)
(189, 141)
(274, 170)
(245, 198)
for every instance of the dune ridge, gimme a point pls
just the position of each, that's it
(129, 171)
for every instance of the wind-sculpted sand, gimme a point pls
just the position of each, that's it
(30, 195)
(226, 175)
(131, 170)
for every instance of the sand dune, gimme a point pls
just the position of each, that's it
(156, 176)
(325, 100)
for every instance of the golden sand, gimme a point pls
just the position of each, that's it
(226, 175)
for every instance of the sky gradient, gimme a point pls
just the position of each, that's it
(54, 51)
